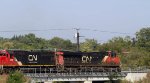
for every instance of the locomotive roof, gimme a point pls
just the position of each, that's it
(37, 50)
(79, 53)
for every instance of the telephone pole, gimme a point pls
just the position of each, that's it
(77, 36)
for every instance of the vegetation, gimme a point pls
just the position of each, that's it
(31, 42)
(16, 77)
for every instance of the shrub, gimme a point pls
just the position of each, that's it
(16, 77)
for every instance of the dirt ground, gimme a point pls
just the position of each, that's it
(3, 78)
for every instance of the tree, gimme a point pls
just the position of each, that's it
(143, 38)
(7, 45)
(89, 45)
(60, 43)
(30, 42)
(118, 44)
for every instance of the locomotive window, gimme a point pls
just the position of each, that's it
(11, 55)
(2, 54)
(113, 54)
(6, 55)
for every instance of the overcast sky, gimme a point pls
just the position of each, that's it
(98, 19)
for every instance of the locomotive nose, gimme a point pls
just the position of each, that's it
(111, 58)
(116, 60)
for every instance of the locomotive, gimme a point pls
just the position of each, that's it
(63, 61)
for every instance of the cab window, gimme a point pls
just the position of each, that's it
(113, 54)
(2, 55)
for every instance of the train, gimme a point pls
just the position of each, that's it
(59, 61)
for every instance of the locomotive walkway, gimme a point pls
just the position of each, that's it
(87, 77)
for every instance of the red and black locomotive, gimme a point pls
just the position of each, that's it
(59, 60)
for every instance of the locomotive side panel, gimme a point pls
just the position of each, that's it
(83, 58)
(92, 58)
(72, 59)
(47, 58)
(35, 58)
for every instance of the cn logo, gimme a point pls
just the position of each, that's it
(86, 59)
(32, 57)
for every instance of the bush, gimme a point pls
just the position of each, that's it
(16, 77)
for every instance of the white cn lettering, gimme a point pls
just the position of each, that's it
(86, 59)
(32, 57)
(83, 59)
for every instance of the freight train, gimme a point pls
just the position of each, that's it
(63, 61)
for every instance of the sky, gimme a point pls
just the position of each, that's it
(96, 19)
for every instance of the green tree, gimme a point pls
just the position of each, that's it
(89, 45)
(136, 58)
(29, 42)
(143, 38)
(60, 43)
(118, 44)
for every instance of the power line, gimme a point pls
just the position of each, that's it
(105, 31)
(34, 30)
(59, 29)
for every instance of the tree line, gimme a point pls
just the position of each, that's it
(132, 51)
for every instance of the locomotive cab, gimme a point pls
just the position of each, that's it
(3, 53)
(6, 59)
(113, 54)
(111, 58)
(4, 56)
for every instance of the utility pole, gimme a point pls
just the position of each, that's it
(77, 36)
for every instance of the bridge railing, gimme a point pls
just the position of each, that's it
(140, 69)
(52, 75)
(34, 72)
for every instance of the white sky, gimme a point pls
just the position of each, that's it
(121, 16)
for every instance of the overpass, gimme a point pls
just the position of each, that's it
(86, 77)
(95, 76)
(129, 73)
